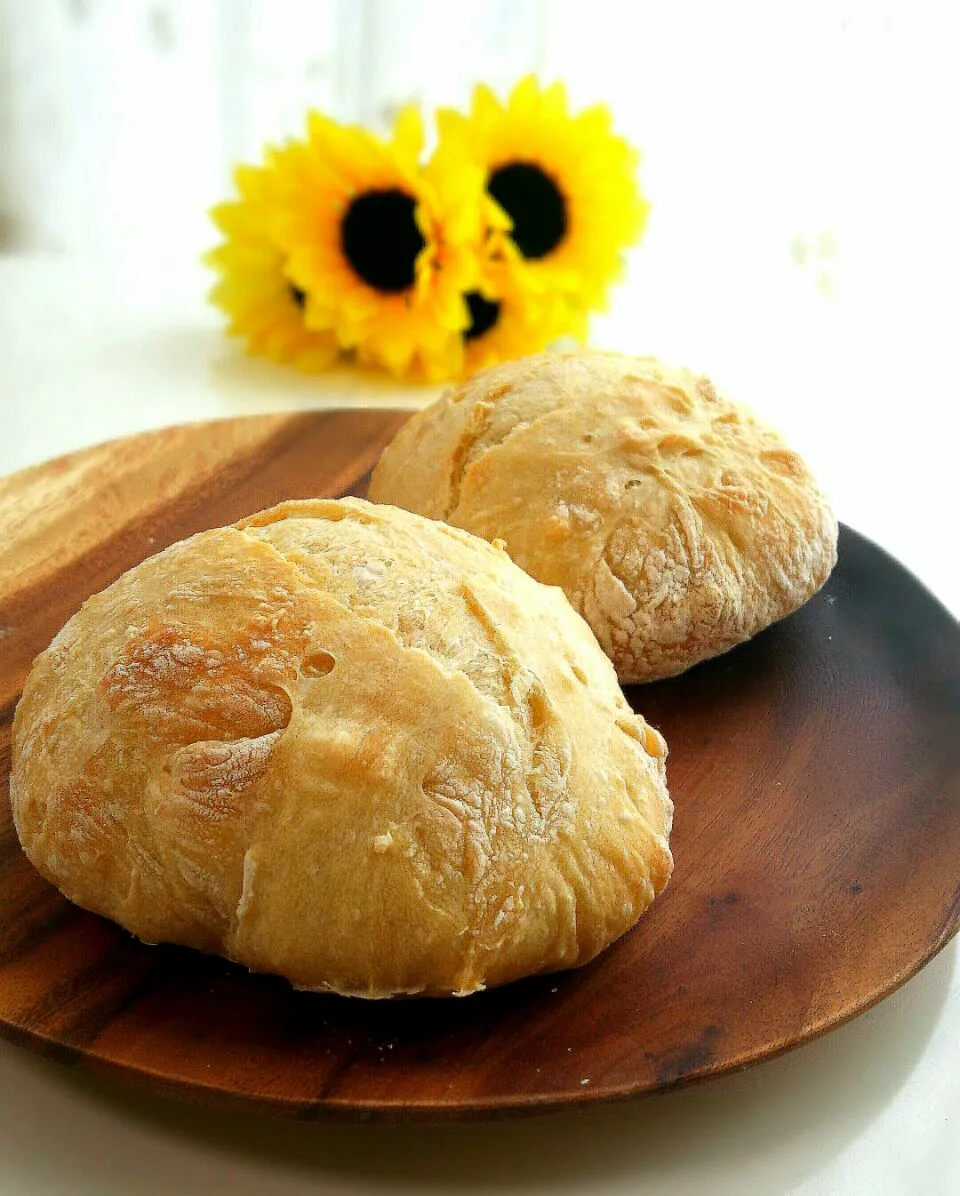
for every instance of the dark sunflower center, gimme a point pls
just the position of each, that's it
(484, 313)
(534, 203)
(299, 297)
(380, 239)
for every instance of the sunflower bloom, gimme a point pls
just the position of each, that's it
(262, 305)
(380, 248)
(507, 322)
(508, 319)
(567, 183)
(504, 318)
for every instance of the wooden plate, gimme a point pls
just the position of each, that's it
(816, 775)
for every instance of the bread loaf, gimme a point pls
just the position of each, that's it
(676, 524)
(347, 745)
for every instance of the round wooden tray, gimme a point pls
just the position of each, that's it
(816, 776)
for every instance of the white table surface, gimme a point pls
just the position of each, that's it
(91, 350)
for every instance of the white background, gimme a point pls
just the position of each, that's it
(803, 248)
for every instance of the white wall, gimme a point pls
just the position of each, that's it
(811, 137)
(801, 152)
(120, 119)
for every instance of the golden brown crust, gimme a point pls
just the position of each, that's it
(348, 745)
(675, 523)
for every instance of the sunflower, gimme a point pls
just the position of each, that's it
(504, 325)
(262, 304)
(498, 320)
(567, 183)
(504, 318)
(507, 320)
(381, 248)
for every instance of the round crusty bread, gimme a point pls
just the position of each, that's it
(676, 524)
(347, 745)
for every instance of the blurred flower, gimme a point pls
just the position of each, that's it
(262, 305)
(381, 249)
(342, 242)
(504, 319)
(567, 183)
(507, 321)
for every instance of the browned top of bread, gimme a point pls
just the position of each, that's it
(348, 745)
(676, 523)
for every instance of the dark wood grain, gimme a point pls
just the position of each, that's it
(816, 775)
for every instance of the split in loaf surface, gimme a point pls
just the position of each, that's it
(676, 524)
(347, 745)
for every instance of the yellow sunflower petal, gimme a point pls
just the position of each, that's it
(554, 101)
(486, 106)
(408, 136)
(525, 96)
